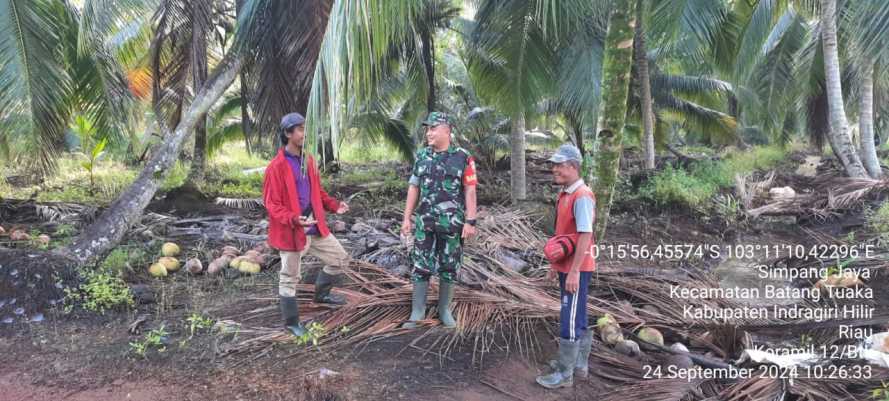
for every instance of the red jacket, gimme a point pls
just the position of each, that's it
(565, 224)
(282, 202)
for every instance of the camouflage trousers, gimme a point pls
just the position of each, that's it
(438, 253)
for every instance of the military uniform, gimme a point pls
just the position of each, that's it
(440, 214)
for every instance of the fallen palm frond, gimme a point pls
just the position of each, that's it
(499, 308)
(831, 194)
(240, 203)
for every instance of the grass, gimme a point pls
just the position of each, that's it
(878, 221)
(357, 152)
(72, 182)
(697, 186)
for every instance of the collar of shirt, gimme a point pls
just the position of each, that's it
(451, 149)
(573, 187)
(287, 154)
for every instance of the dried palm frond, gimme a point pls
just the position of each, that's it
(831, 194)
(240, 203)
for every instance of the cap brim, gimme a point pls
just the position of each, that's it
(557, 159)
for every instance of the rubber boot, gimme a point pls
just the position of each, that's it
(323, 284)
(564, 375)
(445, 295)
(582, 367)
(418, 304)
(290, 312)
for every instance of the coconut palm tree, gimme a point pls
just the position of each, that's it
(260, 22)
(48, 74)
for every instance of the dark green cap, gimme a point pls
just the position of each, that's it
(436, 117)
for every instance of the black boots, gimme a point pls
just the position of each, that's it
(290, 312)
(323, 284)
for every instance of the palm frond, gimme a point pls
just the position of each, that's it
(33, 79)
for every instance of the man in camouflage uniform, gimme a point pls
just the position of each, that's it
(444, 181)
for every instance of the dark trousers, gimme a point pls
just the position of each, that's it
(573, 313)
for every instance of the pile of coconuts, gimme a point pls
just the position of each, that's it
(251, 262)
(611, 334)
(21, 235)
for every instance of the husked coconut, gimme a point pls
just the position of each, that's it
(194, 266)
(651, 335)
(248, 267)
(628, 348)
(157, 270)
(172, 264)
(230, 250)
(19, 235)
(170, 249)
(218, 264)
(255, 257)
(611, 334)
(2, 230)
(782, 193)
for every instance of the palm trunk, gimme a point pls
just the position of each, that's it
(645, 87)
(866, 124)
(517, 158)
(839, 138)
(429, 66)
(617, 65)
(107, 231)
(199, 76)
(246, 124)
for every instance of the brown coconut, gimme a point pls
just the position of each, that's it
(628, 348)
(194, 266)
(611, 334)
(218, 264)
(230, 250)
(19, 235)
(651, 335)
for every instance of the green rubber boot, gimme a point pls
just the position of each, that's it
(564, 375)
(290, 312)
(418, 304)
(445, 295)
(582, 367)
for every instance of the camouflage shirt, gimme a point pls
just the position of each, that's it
(441, 178)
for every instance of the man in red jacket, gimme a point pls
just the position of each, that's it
(296, 204)
(575, 216)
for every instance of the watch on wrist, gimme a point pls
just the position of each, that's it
(471, 222)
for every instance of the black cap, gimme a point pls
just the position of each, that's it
(292, 120)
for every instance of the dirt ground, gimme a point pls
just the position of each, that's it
(88, 357)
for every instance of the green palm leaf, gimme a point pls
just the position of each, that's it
(33, 79)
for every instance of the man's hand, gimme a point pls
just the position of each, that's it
(572, 282)
(407, 227)
(469, 230)
(306, 221)
(344, 208)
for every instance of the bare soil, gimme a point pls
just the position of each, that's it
(85, 356)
